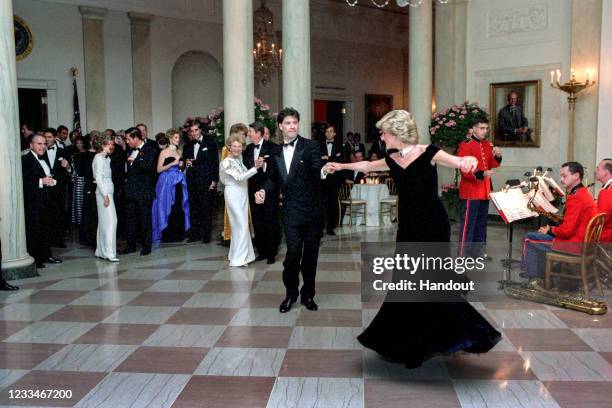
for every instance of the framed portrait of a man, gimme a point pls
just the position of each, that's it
(515, 113)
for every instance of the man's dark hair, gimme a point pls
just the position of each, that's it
(194, 122)
(357, 134)
(574, 167)
(60, 128)
(142, 124)
(52, 131)
(258, 126)
(479, 119)
(330, 125)
(32, 136)
(134, 133)
(608, 165)
(287, 112)
(112, 132)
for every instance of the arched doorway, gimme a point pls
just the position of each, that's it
(197, 86)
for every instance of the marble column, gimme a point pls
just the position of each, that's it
(296, 61)
(604, 77)
(141, 67)
(420, 68)
(16, 263)
(238, 62)
(93, 55)
(586, 42)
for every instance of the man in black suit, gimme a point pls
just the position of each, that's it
(511, 122)
(297, 169)
(264, 216)
(58, 194)
(331, 152)
(139, 191)
(378, 148)
(202, 161)
(354, 177)
(37, 181)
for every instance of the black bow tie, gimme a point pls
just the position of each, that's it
(51, 148)
(331, 143)
(256, 146)
(42, 158)
(291, 143)
(199, 141)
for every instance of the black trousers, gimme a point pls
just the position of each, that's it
(138, 215)
(37, 235)
(266, 227)
(58, 214)
(200, 208)
(302, 255)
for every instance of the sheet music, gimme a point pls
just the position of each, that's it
(512, 204)
(543, 187)
(542, 203)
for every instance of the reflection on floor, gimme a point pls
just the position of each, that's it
(180, 328)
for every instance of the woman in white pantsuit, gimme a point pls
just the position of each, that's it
(107, 216)
(234, 176)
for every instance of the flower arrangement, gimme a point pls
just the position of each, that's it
(214, 122)
(449, 127)
(450, 199)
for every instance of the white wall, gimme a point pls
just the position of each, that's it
(522, 40)
(58, 45)
(197, 86)
(604, 130)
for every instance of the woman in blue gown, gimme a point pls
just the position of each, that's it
(171, 205)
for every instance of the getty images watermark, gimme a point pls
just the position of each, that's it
(418, 272)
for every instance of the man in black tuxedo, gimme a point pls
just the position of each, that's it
(58, 194)
(354, 177)
(37, 181)
(264, 216)
(139, 191)
(331, 152)
(202, 160)
(378, 148)
(297, 169)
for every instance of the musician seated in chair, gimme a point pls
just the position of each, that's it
(603, 174)
(569, 235)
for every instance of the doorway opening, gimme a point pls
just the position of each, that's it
(332, 112)
(33, 108)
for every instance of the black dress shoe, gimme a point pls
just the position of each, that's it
(331, 232)
(40, 265)
(127, 251)
(52, 260)
(271, 260)
(310, 304)
(260, 258)
(145, 252)
(6, 286)
(287, 303)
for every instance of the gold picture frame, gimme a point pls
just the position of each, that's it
(516, 123)
(24, 39)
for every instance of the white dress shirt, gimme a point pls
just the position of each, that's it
(51, 154)
(256, 150)
(45, 167)
(330, 147)
(135, 152)
(288, 151)
(196, 148)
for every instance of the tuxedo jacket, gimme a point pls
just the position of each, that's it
(59, 173)
(36, 198)
(256, 182)
(379, 148)
(204, 169)
(140, 176)
(336, 154)
(356, 178)
(300, 185)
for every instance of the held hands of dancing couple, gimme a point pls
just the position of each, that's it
(465, 163)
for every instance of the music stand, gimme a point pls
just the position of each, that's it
(507, 263)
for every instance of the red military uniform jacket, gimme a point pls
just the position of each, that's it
(604, 204)
(476, 186)
(579, 209)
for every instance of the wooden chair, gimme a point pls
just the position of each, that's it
(388, 206)
(586, 261)
(345, 199)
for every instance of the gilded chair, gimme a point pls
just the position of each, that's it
(355, 207)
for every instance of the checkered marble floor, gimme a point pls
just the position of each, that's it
(181, 329)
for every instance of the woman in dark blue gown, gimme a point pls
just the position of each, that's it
(171, 205)
(410, 332)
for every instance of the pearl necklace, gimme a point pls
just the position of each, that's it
(404, 152)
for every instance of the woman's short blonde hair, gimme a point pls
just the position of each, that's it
(99, 139)
(401, 124)
(237, 133)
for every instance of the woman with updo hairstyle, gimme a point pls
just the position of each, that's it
(170, 215)
(234, 175)
(406, 330)
(106, 247)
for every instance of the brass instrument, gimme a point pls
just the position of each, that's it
(534, 186)
(534, 291)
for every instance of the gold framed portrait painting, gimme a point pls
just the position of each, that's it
(516, 113)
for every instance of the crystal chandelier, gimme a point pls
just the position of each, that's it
(266, 52)
(401, 3)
